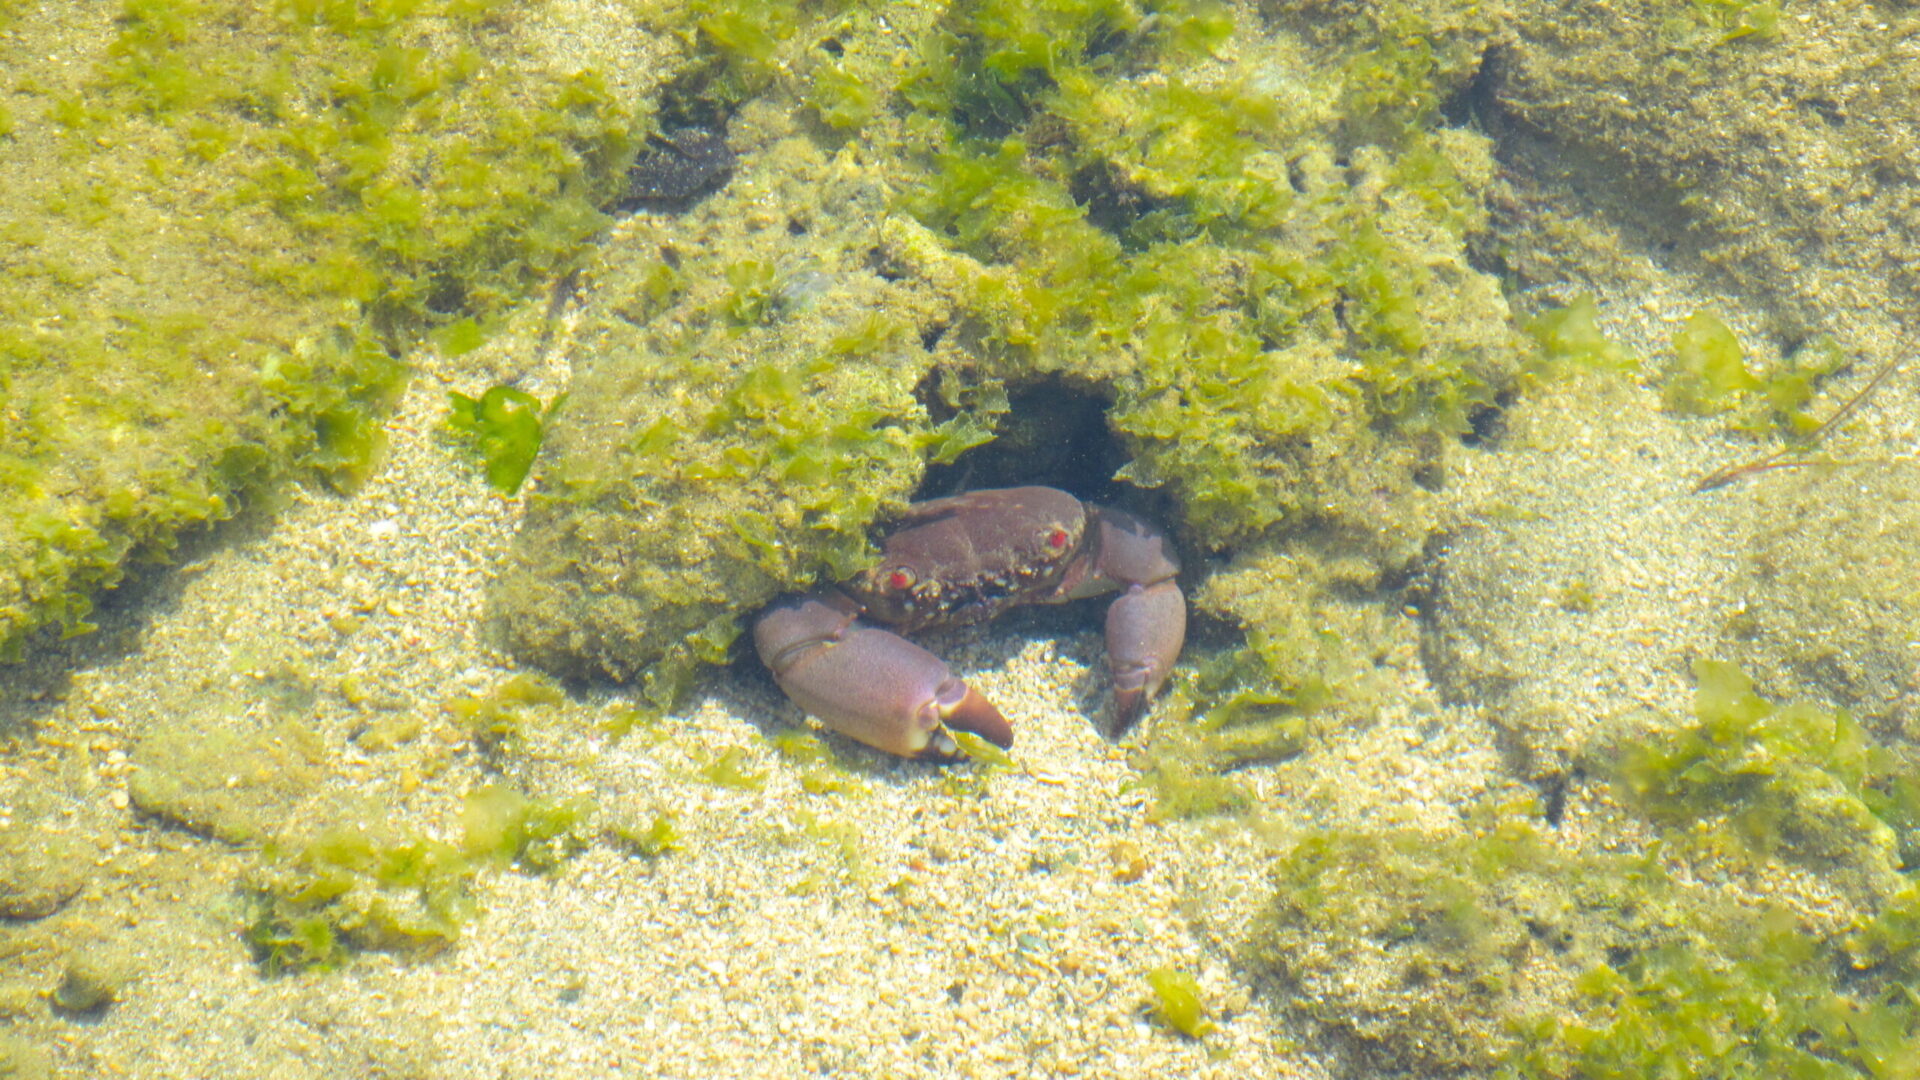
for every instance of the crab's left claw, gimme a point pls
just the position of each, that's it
(869, 684)
(1146, 626)
(1147, 623)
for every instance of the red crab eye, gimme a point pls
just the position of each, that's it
(1057, 539)
(900, 579)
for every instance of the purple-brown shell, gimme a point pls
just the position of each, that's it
(967, 558)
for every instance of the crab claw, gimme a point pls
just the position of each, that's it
(869, 684)
(1146, 626)
(1147, 622)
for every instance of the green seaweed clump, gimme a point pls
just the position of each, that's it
(1743, 987)
(1711, 376)
(1775, 778)
(651, 840)
(362, 887)
(355, 887)
(1419, 943)
(497, 719)
(1746, 993)
(1502, 945)
(730, 769)
(719, 452)
(1572, 335)
(1731, 20)
(1178, 1003)
(503, 426)
(536, 835)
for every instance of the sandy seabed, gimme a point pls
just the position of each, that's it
(927, 922)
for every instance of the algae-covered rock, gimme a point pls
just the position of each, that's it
(744, 404)
(226, 785)
(1763, 146)
(224, 220)
(1830, 605)
(1504, 945)
(1188, 215)
(40, 870)
(21, 1060)
(1426, 948)
(94, 977)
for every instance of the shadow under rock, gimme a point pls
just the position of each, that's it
(43, 675)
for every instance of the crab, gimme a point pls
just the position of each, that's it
(961, 560)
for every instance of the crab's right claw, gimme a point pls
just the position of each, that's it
(869, 684)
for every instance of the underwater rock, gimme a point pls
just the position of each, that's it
(213, 266)
(1830, 607)
(744, 402)
(94, 977)
(40, 870)
(226, 785)
(1284, 331)
(1669, 123)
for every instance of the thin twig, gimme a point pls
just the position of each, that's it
(1720, 478)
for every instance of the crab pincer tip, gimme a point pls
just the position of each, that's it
(965, 709)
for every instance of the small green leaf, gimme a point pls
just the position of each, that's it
(1177, 1002)
(505, 426)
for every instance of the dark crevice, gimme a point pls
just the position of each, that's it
(1124, 210)
(1053, 434)
(677, 168)
(687, 156)
(1487, 423)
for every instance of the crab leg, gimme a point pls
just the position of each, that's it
(869, 684)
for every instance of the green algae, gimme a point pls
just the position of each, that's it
(1711, 375)
(506, 826)
(503, 428)
(713, 454)
(355, 887)
(1178, 1003)
(822, 772)
(1410, 941)
(731, 768)
(1572, 335)
(649, 837)
(1789, 778)
(362, 886)
(1751, 994)
(231, 219)
(497, 720)
(1502, 945)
